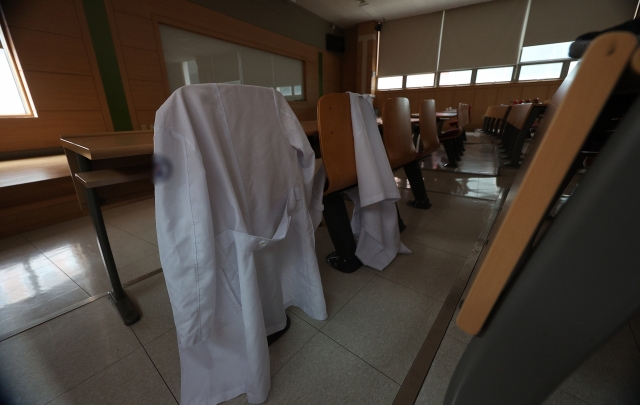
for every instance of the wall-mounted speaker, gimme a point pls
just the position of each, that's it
(335, 43)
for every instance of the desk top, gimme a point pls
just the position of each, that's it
(110, 144)
(440, 115)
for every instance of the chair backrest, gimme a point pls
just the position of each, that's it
(336, 141)
(428, 126)
(463, 115)
(568, 120)
(398, 138)
(518, 115)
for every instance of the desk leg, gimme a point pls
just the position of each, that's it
(125, 307)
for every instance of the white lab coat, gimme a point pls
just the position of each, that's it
(233, 213)
(375, 220)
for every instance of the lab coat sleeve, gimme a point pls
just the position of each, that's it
(185, 235)
(298, 140)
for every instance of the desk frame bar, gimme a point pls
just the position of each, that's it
(127, 310)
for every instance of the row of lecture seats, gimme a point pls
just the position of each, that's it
(453, 139)
(578, 284)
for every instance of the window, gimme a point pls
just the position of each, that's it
(13, 100)
(455, 78)
(193, 58)
(572, 64)
(541, 53)
(493, 75)
(425, 80)
(541, 71)
(391, 82)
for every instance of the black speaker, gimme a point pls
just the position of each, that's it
(335, 43)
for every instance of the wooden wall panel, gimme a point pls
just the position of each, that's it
(509, 93)
(146, 118)
(135, 31)
(45, 131)
(147, 95)
(54, 91)
(54, 49)
(533, 92)
(44, 52)
(141, 64)
(480, 96)
(53, 16)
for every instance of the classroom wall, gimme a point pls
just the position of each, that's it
(283, 17)
(479, 96)
(54, 48)
(139, 51)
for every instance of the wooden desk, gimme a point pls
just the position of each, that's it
(98, 162)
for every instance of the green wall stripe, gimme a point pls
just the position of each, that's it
(320, 79)
(105, 51)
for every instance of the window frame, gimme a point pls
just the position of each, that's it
(435, 77)
(16, 69)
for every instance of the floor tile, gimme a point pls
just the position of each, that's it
(444, 364)
(131, 381)
(455, 332)
(449, 237)
(323, 372)
(611, 375)
(59, 236)
(83, 262)
(152, 299)
(429, 271)
(282, 350)
(42, 363)
(27, 316)
(140, 222)
(164, 354)
(34, 293)
(338, 289)
(385, 325)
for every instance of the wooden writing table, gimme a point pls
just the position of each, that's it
(103, 160)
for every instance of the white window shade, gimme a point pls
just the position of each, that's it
(410, 45)
(485, 34)
(552, 21)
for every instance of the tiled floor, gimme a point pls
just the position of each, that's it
(359, 355)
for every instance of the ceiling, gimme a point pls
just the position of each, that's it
(347, 13)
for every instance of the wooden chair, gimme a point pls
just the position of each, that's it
(518, 126)
(452, 139)
(494, 118)
(579, 285)
(338, 155)
(428, 141)
(398, 142)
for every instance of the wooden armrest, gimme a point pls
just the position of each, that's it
(107, 177)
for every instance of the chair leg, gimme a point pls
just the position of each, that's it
(414, 175)
(337, 219)
(401, 225)
(451, 154)
(456, 148)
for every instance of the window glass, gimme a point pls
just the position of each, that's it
(540, 71)
(572, 65)
(193, 58)
(391, 82)
(10, 101)
(545, 52)
(424, 80)
(492, 75)
(455, 78)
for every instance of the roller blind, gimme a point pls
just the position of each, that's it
(485, 34)
(552, 21)
(410, 45)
